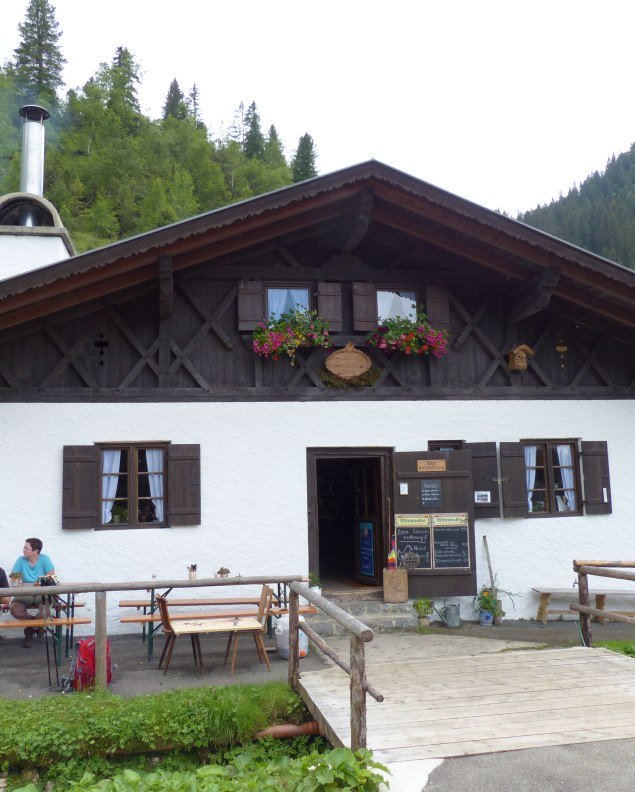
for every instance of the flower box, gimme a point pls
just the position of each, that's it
(410, 336)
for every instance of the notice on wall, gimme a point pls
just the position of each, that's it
(431, 465)
(431, 493)
(366, 549)
(433, 541)
(482, 496)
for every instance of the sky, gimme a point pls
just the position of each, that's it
(507, 104)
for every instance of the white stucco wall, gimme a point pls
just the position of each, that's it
(254, 491)
(24, 252)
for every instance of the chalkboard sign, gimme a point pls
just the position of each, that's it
(366, 549)
(431, 493)
(451, 547)
(414, 540)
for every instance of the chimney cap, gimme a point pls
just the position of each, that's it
(34, 112)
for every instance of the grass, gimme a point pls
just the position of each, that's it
(623, 647)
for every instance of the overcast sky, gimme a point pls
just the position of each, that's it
(504, 103)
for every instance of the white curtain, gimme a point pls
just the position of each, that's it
(111, 462)
(565, 458)
(391, 305)
(284, 300)
(530, 472)
(154, 457)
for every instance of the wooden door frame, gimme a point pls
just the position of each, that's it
(313, 455)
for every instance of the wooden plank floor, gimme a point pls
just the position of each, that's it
(456, 706)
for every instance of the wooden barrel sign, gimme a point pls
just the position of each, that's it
(348, 362)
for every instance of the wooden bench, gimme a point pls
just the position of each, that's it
(146, 618)
(54, 621)
(146, 603)
(572, 593)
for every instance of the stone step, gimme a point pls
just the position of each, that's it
(378, 615)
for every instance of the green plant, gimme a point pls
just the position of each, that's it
(487, 600)
(411, 336)
(284, 335)
(314, 580)
(424, 608)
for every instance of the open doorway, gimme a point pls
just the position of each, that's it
(348, 509)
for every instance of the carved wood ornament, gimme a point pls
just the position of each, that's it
(348, 362)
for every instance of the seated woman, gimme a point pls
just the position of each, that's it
(32, 565)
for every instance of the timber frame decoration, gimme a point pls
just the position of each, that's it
(177, 305)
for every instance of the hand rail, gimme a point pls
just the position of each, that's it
(360, 634)
(608, 569)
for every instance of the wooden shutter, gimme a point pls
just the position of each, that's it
(80, 487)
(251, 304)
(438, 307)
(184, 485)
(364, 307)
(597, 485)
(330, 304)
(514, 480)
(485, 475)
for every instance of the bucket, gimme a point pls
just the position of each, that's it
(282, 638)
(451, 615)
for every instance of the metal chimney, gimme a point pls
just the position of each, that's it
(32, 173)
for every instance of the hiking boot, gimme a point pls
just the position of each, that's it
(28, 637)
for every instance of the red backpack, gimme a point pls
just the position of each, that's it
(83, 674)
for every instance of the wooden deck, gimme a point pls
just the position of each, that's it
(457, 706)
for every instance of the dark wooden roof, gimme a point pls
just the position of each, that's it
(383, 216)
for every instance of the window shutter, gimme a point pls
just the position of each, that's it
(364, 307)
(485, 476)
(184, 485)
(330, 304)
(438, 307)
(251, 304)
(597, 485)
(514, 480)
(80, 487)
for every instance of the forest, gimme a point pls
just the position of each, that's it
(112, 172)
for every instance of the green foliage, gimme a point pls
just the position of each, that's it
(410, 336)
(38, 58)
(303, 165)
(623, 647)
(339, 769)
(254, 145)
(284, 335)
(599, 215)
(175, 104)
(46, 731)
(423, 607)
(487, 600)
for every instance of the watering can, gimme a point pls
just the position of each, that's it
(450, 614)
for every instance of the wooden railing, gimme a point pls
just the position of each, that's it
(360, 634)
(101, 591)
(608, 569)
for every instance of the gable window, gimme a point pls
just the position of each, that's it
(396, 304)
(132, 485)
(283, 299)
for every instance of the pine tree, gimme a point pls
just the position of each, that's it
(274, 155)
(123, 77)
(175, 104)
(194, 105)
(254, 145)
(38, 58)
(303, 165)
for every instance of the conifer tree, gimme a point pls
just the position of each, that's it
(254, 145)
(303, 165)
(274, 155)
(194, 105)
(175, 104)
(38, 58)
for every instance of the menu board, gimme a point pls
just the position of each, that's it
(433, 541)
(366, 549)
(431, 493)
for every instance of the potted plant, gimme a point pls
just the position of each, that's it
(410, 336)
(488, 606)
(423, 608)
(284, 335)
(314, 583)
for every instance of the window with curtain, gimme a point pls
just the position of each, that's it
(132, 485)
(396, 304)
(282, 299)
(552, 477)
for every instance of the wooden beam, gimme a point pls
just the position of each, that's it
(526, 299)
(357, 221)
(166, 287)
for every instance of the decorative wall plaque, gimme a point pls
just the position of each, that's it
(431, 465)
(348, 362)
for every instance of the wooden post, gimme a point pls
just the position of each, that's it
(358, 694)
(583, 599)
(101, 641)
(294, 640)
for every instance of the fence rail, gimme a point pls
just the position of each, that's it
(608, 569)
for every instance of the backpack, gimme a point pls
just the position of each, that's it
(83, 670)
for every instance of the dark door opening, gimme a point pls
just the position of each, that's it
(347, 522)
